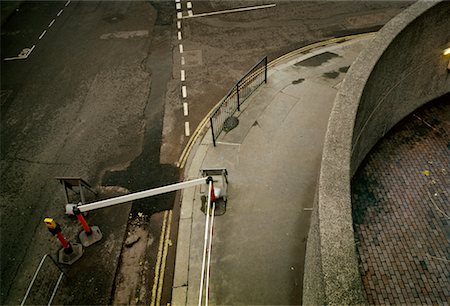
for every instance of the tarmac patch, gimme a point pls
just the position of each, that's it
(317, 60)
(125, 34)
(114, 18)
(193, 58)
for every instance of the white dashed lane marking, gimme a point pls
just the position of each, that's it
(42, 35)
(187, 131)
(27, 51)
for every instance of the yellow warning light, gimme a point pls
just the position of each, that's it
(51, 224)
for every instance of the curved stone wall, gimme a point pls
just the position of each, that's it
(402, 69)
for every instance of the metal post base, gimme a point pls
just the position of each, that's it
(68, 259)
(87, 240)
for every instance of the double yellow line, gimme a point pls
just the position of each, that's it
(160, 267)
(198, 131)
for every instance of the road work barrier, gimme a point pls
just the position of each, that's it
(207, 244)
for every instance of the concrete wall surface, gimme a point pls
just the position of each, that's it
(402, 69)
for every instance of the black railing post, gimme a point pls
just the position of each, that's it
(265, 69)
(237, 93)
(212, 131)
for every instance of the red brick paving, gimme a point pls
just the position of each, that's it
(401, 213)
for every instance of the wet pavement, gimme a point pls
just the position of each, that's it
(273, 159)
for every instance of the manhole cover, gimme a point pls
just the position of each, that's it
(230, 123)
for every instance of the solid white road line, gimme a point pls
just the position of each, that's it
(183, 76)
(42, 35)
(179, 25)
(242, 9)
(67, 3)
(185, 109)
(179, 35)
(179, 15)
(60, 12)
(51, 23)
(178, 6)
(184, 91)
(187, 132)
(181, 48)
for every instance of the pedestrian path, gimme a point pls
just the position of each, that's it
(273, 159)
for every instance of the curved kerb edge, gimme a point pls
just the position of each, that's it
(400, 70)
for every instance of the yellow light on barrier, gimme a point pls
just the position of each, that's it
(50, 223)
(447, 51)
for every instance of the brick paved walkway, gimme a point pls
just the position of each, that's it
(401, 209)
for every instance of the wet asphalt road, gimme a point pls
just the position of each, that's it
(83, 103)
(109, 108)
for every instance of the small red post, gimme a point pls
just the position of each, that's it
(213, 195)
(83, 222)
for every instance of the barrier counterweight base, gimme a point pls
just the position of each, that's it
(69, 259)
(87, 240)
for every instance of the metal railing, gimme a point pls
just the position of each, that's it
(44, 283)
(236, 96)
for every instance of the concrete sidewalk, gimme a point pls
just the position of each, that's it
(273, 158)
